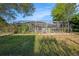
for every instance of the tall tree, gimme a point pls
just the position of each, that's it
(63, 11)
(10, 10)
(75, 22)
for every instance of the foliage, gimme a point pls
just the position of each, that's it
(23, 28)
(63, 11)
(2, 22)
(75, 22)
(3, 25)
(10, 10)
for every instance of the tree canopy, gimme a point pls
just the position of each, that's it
(75, 22)
(10, 10)
(67, 12)
(63, 11)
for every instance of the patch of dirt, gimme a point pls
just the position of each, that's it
(69, 37)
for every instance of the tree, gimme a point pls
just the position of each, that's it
(75, 22)
(63, 11)
(10, 11)
(2, 22)
(23, 28)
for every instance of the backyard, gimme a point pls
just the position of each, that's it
(39, 44)
(39, 29)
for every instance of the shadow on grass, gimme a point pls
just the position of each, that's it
(17, 45)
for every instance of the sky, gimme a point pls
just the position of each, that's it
(42, 13)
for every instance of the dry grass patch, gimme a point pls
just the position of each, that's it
(48, 45)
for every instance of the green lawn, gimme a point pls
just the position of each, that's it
(19, 45)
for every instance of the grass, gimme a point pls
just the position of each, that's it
(21, 45)
(48, 46)
(17, 45)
